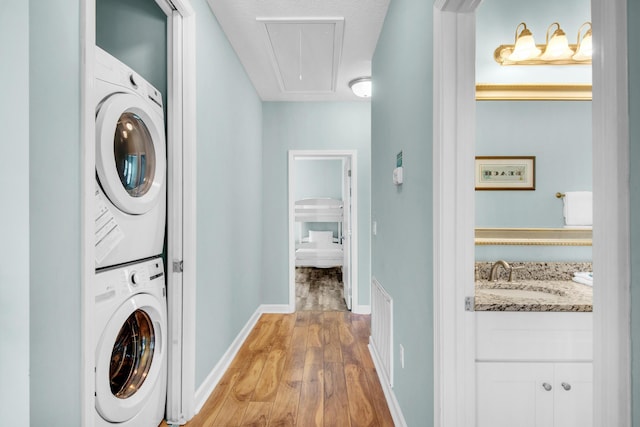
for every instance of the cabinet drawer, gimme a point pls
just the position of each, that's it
(527, 336)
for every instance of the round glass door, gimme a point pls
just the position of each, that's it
(132, 355)
(130, 153)
(134, 154)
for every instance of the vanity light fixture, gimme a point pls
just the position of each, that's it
(361, 87)
(524, 48)
(557, 45)
(585, 45)
(555, 51)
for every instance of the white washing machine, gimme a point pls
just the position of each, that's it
(131, 350)
(130, 165)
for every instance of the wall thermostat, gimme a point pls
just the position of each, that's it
(397, 176)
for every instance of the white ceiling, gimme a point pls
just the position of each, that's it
(303, 50)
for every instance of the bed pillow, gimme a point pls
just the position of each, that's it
(321, 236)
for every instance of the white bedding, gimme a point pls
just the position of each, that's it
(319, 254)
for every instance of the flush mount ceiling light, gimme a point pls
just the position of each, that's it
(557, 50)
(361, 87)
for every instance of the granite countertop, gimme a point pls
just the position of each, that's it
(533, 295)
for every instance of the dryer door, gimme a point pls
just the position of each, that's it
(129, 358)
(130, 153)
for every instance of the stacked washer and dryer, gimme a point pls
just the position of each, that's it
(130, 295)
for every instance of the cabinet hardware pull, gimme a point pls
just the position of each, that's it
(566, 386)
(547, 386)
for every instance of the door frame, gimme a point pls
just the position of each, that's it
(181, 180)
(453, 142)
(352, 155)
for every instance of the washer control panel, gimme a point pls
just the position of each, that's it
(131, 278)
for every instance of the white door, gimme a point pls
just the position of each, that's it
(346, 232)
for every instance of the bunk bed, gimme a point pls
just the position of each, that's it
(319, 249)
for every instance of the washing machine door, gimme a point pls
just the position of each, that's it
(129, 358)
(130, 152)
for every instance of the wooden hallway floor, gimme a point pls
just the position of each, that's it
(304, 369)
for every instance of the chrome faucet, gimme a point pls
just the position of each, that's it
(493, 276)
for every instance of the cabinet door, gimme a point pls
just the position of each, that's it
(574, 395)
(514, 394)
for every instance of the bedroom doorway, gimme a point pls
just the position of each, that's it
(322, 230)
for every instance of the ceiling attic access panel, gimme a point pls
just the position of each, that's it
(305, 53)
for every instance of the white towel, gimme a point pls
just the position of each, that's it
(578, 208)
(584, 277)
(583, 281)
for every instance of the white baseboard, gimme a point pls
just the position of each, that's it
(392, 402)
(212, 380)
(361, 309)
(276, 308)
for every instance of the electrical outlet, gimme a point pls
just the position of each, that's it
(402, 356)
(374, 227)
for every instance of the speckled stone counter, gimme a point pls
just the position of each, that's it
(534, 270)
(533, 295)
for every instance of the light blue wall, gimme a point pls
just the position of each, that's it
(318, 178)
(14, 217)
(496, 25)
(558, 134)
(229, 202)
(634, 158)
(309, 126)
(54, 191)
(402, 116)
(135, 32)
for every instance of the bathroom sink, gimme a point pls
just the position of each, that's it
(532, 295)
(536, 294)
(528, 289)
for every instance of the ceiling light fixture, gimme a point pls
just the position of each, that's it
(557, 50)
(361, 87)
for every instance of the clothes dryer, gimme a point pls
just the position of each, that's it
(131, 350)
(130, 165)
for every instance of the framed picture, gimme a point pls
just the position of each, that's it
(505, 173)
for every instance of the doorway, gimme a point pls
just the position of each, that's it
(322, 230)
(454, 47)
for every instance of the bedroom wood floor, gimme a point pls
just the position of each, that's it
(303, 369)
(319, 289)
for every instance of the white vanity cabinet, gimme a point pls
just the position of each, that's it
(534, 369)
(532, 394)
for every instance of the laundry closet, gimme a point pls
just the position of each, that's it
(129, 286)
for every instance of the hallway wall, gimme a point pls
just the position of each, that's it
(634, 159)
(229, 201)
(309, 126)
(54, 189)
(14, 216)
(402, 255)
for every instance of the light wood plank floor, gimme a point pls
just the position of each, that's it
(303, 369)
